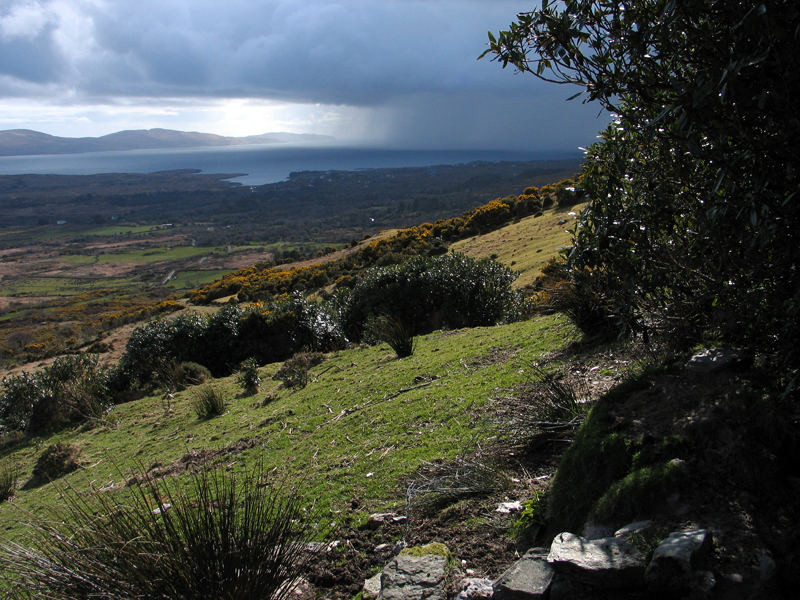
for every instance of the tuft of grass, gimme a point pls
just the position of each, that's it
(8, 483)
(209, 401)
(560, 400)
(220, 537)
(395, 333)
(437, 485)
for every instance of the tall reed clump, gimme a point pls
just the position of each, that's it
(219, 537)
(208, 402)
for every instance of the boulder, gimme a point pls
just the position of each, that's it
(372, 587)
(412, 576)
(605, 563)
(527, 579)
(711, 359)
(675, 559)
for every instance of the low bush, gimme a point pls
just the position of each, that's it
(427, 293)
(294, 372)
(73, 389)
(208, 402)
(530, 521)
(218, 537)
(581, 296)
(266, 333)
(248, 376)
(56, 461)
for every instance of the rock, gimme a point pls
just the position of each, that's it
(475, 589)
(162, 509)
(527, 579)
(377, 519)
(410, 577)
(675, 559)
(605, 563)
(711, 359)
(372, 587)
(383, 547)
(509, 507)
(636, 527)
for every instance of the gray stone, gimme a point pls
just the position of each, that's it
(711, 359)
(527, 579)
(475, 589)
(372, 587)
(377, 519)
(408, 577)
(636, 527)
(605, 563)
(675, 558)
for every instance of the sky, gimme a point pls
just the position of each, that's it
(397, 73)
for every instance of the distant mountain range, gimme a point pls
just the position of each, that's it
(15, 142)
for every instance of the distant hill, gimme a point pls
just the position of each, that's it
(15, 142)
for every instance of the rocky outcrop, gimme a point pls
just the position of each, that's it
(527, 579)
(676, 559)
(414, 574)
(606, 562)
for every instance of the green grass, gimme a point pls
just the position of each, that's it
(189, 280)
(526, 245)
(120, 230)
(60, 286)
(151, 255)
(360, 428)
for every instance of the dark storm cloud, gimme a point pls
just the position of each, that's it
(411, 62)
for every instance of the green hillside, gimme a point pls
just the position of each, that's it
(362, 426)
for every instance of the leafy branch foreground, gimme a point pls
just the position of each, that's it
(220, 537)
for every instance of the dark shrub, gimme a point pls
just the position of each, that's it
(266, 333)
(248, 376)
(73, 389)
(294, 372)
(56, 461)
(218, 538)
(427, 293)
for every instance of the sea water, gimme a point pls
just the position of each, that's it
(257, 164)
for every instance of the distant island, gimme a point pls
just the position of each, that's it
(17, 142)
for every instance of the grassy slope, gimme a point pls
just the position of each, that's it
(526, 245)
(351, 433)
